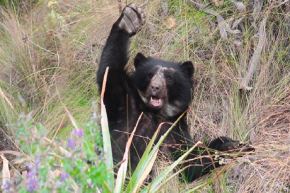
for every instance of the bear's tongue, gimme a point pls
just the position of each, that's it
(155, 102)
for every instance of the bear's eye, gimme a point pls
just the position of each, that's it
(170, 79)
(149, 75)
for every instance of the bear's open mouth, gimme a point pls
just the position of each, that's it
(155, 102)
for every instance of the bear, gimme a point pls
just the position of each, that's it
(161, 90)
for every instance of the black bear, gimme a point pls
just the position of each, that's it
(162, 90)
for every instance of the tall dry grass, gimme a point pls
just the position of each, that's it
(48, 57)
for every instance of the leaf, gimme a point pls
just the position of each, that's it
(106, 136)
(5, 173)
(162, 178)
(148, 158)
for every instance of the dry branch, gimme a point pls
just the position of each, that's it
(256, 56)
(223, 26)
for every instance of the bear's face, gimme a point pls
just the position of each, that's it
(164, 87)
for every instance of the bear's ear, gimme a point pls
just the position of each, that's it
(187, 68)
(139, 60)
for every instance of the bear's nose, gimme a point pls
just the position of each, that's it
(155, 89)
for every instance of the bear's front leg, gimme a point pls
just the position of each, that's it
(229, 145)
(225, 146)
(115, 53)
(115, 57)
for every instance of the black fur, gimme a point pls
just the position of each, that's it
(160, 89)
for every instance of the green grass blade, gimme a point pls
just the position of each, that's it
(147, 160)
(163, 177)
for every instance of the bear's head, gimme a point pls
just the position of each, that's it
(164, 87)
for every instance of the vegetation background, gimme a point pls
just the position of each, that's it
(49, 104)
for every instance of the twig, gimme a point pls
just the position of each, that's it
(6, 99)
(256, 56)
(71, 118)
(121, 175)
(120, 6)
(104, 84)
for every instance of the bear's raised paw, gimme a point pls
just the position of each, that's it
(132, 19)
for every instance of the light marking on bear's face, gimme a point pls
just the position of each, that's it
(142, 96)
(156, 89)
(171, 110)
(156, 95)
(156, 92)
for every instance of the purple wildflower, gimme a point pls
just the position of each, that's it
(78, 132)
(6, 186)
(63, 176)
(71, 143)
(32, 184)
(32, 179)
(37, 162)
